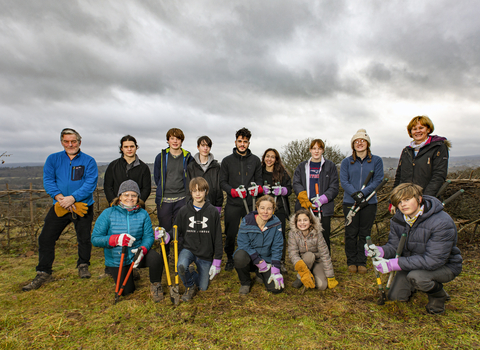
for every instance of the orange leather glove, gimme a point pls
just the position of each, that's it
(60, 211)
(305, 275)
(80, 208)
(304, 201)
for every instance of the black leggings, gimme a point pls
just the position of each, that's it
(152, 260)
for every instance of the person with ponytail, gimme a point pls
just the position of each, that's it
(353, 173)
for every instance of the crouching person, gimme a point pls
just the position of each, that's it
(260, 246)
(309, 252)
(126, 223)
(200, 240)
(430, 256)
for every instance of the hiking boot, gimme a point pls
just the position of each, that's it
(156, 292)
(229, 265)
(436, 302)
(189, 293)
(362, 269)
(40, 279)
(244, 290)
(283, 268)
(136, 274)
(352, 269)
(258, 279)
(297, 283)
(83, 271)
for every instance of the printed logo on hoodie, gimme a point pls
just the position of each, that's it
(198, 222)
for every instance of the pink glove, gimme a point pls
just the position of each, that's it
(238, 193)
(385, 266)
(215, 268)
(263, 266)
(219, 210)
(279, 191)
(255, 190)
(161, 233)
(323, 199)
(277, 278)
(123, 240)
(266, 189)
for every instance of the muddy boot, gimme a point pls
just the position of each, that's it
(436, 300)
(297, 283)
(156, 291)
(38, 281)
(189, 293)
(83, 271)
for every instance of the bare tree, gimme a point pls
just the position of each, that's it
(3, 155)
(298, 151)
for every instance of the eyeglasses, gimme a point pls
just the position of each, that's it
(357, 142)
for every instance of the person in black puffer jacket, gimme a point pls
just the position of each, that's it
(430, 255)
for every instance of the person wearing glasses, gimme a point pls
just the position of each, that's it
(353, 173)
(69, 177)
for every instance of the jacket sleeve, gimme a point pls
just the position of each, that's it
(157, 168)
(218, 244)
(325, 256)
(345, 177)
(219, 191)
(293, 250)
(108, 184)
(190, 176)
(287, 183)
(390, 248)
(277, 246)
(224, 178)
(49, 182)
(377, 176)
(146, 184)
(243, 240)
(439, 171)
(90, 183)
(398, 173)
(298, 182)
(258, 173)
(148, 238)
(100, 235)
(437, 249)
(332, 190)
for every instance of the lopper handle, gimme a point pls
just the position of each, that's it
(452, 197)
(443, 188)
(379, 187)
(367, 180)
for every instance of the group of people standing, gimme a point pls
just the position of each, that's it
(189, 195)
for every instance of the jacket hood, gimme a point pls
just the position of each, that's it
(209, 161)
(436, 138)
(431, 204)
(317, 226)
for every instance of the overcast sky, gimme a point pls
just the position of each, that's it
(284, 69)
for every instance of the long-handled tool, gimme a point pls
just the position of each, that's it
(317, 195)
(244, 199)
(397, 255)
(254, 197)
(443, 188)
(174, 292)
(119, 276)
(383, 296)
(277, 185)
(167, 272)
(452, 197)
(349, 217)
(135, 257)
(357, 208)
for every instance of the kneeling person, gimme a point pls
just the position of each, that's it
(126, 223)
(430, 256)
(200, 240)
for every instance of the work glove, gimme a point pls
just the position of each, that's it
(255, 190)
(363, 204)
(219, 210)
(238, 193)
(279, 191)
(386, 265)
(319, 201)
(277, 278)
(143, 252)
(305, 274)
(391, 209)
(161, 233)
(332, 282)
(267, 189)
(263, 266)
(60, 211)
(80, 208)
(358, 196)
(303, 199)
(373, 251)
(123, 240)
(215, 268)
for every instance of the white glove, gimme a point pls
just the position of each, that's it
(140, 256)
(373, 251)
(125, 240)
(276, 277)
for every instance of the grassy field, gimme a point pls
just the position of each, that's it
(70, 313)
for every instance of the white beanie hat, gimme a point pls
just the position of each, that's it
(361, 134)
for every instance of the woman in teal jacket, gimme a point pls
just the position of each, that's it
(125, 223)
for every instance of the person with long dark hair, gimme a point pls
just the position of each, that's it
(277, 182)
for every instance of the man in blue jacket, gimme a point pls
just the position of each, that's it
(69, 177)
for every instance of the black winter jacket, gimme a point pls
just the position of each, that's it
(117, 173)
(287, 183)
(239, 170)
(327, 184)
(431, 241)
(212, 175)
(200, 231)
(428, 169)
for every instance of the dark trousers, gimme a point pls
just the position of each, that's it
(166, 213)
(283, 218)
(232, 217)
(356, 233)
(152, 260)
(244, 265)
(326, 230)
(53, 228)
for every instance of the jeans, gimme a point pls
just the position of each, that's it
(200, 277)
(53, 228)
(356, 234)
(407, 282)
